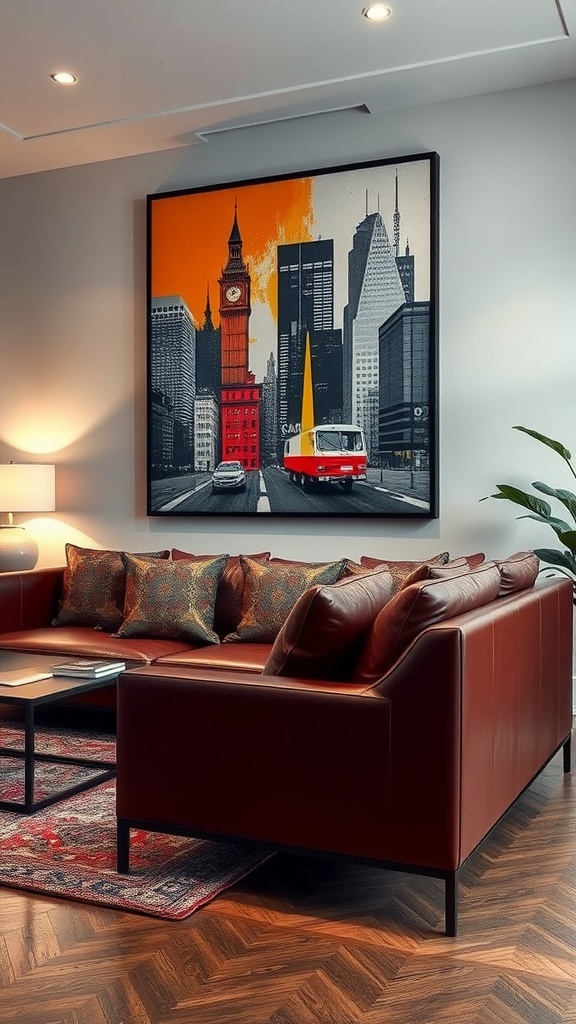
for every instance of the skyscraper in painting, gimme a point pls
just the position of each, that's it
(375, 291)
(403, 421)
(306, 306)
(172, 382)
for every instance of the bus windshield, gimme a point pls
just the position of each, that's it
(339, 441)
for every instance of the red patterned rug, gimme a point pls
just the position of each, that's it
(69, 849)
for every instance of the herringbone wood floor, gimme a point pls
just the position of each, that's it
(304, 941)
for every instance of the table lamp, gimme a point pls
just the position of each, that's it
(23, 488)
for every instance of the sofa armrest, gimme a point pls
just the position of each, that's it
(261, 758)
(316, 765)
(29, 600)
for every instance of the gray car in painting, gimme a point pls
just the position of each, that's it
(229, 476)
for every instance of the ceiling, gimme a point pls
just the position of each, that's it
(161, 74)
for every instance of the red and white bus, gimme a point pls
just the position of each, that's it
(330, 453)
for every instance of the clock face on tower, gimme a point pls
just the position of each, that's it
(233, 293)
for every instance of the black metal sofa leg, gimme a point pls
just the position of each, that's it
(122, 846)
(451, 902)
(567, 755)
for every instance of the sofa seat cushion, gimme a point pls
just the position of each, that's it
(324, 631)
(81, 641)
(419, 606)
(239, 657)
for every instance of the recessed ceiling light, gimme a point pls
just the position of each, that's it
(64, 78)
(377, 12)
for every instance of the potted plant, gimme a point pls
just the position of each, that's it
(564, 561)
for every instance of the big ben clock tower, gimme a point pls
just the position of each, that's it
(234, 311)
(239, 394)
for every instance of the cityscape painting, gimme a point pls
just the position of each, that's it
(292, 344)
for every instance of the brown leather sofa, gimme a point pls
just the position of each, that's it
(396, 729)
(407, 769)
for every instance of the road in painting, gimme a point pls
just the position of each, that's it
(291, 337)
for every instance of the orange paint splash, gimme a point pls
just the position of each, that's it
(189, 239)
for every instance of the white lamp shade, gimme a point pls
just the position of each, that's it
(23, 488)
(27, 487)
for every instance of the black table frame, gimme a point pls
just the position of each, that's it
(30, 755)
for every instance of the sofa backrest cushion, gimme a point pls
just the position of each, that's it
(94, 583)
(271, 590)
(402, 571)
(518, 572)
(418, 606)
(470, 560)
(323, 633)
(171, 600)
(229, 595)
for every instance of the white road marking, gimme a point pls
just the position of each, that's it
(404, 497)
(182, 497)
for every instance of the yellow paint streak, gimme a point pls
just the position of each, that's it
(307, 400)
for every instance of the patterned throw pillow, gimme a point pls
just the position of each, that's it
(404, 573)
(94, 583)
(470, 560)
(229, 596)
(171, 600)
(271, 590)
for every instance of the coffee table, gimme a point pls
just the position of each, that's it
(28, 697)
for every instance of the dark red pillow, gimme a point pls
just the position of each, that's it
(518, 572)
(415, 608)
(322, 635)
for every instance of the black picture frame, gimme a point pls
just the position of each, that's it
(292, 328)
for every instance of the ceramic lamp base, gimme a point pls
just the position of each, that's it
(18, 550)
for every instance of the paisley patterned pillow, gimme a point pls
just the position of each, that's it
(404, 573)
(229, 597)
(271, 590)
(171, 600)
(94, 582)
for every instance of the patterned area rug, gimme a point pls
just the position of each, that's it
(69, 849)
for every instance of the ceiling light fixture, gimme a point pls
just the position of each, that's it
(377, 12)
(64, 78)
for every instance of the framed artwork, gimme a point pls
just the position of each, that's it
(292, 344)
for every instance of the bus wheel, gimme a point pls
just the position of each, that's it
(346, 486)
(302, 481)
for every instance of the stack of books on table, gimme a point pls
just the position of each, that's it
(88, 668)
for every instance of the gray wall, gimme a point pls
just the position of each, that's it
(72, 322)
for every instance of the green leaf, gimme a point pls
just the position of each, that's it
(566, 497)
(558, 525)
(569, 539)
(555, 557)
(520, 497)
(557, 446)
